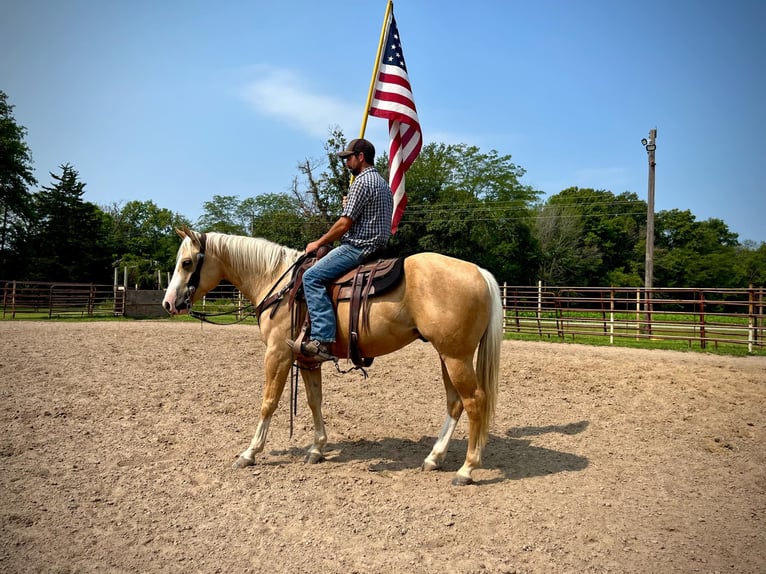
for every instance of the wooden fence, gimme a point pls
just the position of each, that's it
(700, 317)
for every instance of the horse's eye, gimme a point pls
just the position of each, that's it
(186, 264)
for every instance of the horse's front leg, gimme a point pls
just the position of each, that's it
(312, 380)
(277, 366)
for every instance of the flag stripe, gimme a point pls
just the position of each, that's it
(393, 101)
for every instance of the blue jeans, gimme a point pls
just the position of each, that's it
(315, 279)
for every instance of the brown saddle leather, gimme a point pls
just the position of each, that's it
(377, 277)
(356, 286)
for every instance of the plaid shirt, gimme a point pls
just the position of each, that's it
(370, 206)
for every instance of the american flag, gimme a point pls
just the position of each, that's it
(393, 100)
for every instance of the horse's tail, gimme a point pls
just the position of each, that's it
(488, 360)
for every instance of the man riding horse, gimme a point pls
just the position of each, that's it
(363, 228)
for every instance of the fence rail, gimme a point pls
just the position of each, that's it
(40, 299)
(700, 317)
(696, 316)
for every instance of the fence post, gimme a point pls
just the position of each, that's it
(703, 341)
(611, 316)
(750, 318)
(13, 301)
(759, 331)
(91, 300)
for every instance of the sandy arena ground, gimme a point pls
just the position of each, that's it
(117, 440)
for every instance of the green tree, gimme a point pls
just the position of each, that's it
(294, 218)
(611, 230)
(71, 236)
(16, 203)
(319, 194)
(278, 217)
(564, 258)
(224, 215)
(470, 204)
(691, 253)
(751, 264)
(144, 240)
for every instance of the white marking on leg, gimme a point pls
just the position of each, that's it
(439, 451)
(259, 440)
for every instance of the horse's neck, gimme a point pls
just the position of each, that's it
(252, 265)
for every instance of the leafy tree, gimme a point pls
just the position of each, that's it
(694, 253)
(294, 218)
(319, 196)
(471, 205)
(751, 264)
(278, 218)
(71, 235)
(564, 258)
(223, 214)
(611, 231)
(16, 205)
(144, 240)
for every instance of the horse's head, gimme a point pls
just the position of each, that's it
(189, 283)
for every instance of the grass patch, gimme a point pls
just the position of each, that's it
(739, 350)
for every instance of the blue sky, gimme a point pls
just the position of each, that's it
(175, 101)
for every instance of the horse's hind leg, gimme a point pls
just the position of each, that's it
(463, 377)
(454, 409)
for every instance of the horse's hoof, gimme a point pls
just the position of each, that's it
(462, 480)
(243, 462)
(428, 466)
(314, 458)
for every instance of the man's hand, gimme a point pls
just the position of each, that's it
(313, 246)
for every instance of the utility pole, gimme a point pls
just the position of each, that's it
(650, 146)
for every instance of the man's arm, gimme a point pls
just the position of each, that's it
(337, 230)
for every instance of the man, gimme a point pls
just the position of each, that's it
(363, 228)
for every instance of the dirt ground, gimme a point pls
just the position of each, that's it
(117, 440)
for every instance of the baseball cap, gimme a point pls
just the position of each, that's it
(356, 146)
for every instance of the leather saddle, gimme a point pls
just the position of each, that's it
(356, 286)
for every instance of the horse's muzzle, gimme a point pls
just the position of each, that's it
(179, 305)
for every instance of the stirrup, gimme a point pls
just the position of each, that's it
(299, 348)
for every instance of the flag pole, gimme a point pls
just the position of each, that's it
(389, 7)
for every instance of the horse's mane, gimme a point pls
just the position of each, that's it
(256, 253)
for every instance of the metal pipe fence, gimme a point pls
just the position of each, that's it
(701, 317)
(697, 316)
(57, 300)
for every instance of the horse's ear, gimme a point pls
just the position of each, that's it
(185, 232)
(193, 235)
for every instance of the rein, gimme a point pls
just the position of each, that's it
(205, 317)
(249, 310)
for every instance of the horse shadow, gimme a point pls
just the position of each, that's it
(512, 454)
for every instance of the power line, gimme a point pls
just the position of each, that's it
(421, 218)
(512, 205)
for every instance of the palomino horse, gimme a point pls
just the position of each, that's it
(453, 304)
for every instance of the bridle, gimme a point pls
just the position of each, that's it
(272, 299)
(193, 283)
